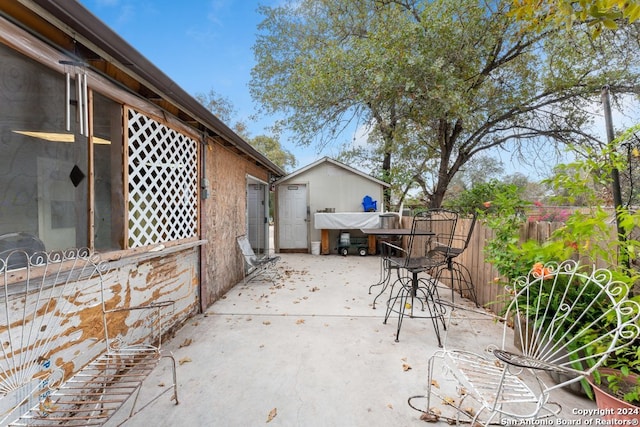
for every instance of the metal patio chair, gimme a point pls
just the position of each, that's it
(459, 274)
(56, 307)
(255, 266)
(567, 319)
(430, 229)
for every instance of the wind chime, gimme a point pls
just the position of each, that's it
(82, 105)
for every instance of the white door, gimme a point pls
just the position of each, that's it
(257, 217)
(292, 214)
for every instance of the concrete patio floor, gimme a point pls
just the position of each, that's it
(308, 350)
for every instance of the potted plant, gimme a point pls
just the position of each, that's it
(617, 385)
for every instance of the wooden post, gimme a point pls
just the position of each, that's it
(324, 241)
(372, 244)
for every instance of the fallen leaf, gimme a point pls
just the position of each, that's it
(435, 411)
(186, 343)
(435, 383)
(406, 367)
(470, 411)
(266, 322)
(47, 405)
(390, 406)
(272, 414)
(299, 321)
(184, 360)
(449, 401)
(430, 418)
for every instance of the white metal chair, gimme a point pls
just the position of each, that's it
(50, 322)
(567, 318)
(255, 266)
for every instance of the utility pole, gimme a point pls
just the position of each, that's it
(615, 175)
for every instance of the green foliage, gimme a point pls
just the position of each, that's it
(501, 207)
(586, 235)
(271, 148)
(598, 14)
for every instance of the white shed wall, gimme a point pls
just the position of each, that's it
(331, 186)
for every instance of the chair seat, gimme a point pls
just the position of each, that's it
(416, 264)
(483, 376)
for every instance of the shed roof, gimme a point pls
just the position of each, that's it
(324, 160)
(71, 28)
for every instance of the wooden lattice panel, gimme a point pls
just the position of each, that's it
(162, 183)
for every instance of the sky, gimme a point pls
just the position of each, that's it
(202, 45)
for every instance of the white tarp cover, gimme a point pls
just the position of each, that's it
(346, 220)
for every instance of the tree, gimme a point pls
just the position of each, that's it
(439, 81)
(598, 14)
(268, 145)
(271, 148)
(223, 108)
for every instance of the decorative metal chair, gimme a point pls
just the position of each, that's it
(567, 319)
(459, 274)
(430, 230)
(12, 242)
(50, 327)
(257, 266)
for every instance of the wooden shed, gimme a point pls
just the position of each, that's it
(100, 149)
(330, 189)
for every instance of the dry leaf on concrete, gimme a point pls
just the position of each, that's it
(186, 343)
(435, 383)
(299, 321)
(449, 401)
(406, 367)
(272, 414)
(184, 360)
(430, 418)
(266, 322)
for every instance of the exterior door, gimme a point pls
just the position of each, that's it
(257, 217)
(293, 217)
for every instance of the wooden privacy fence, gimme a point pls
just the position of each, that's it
(487, 281)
